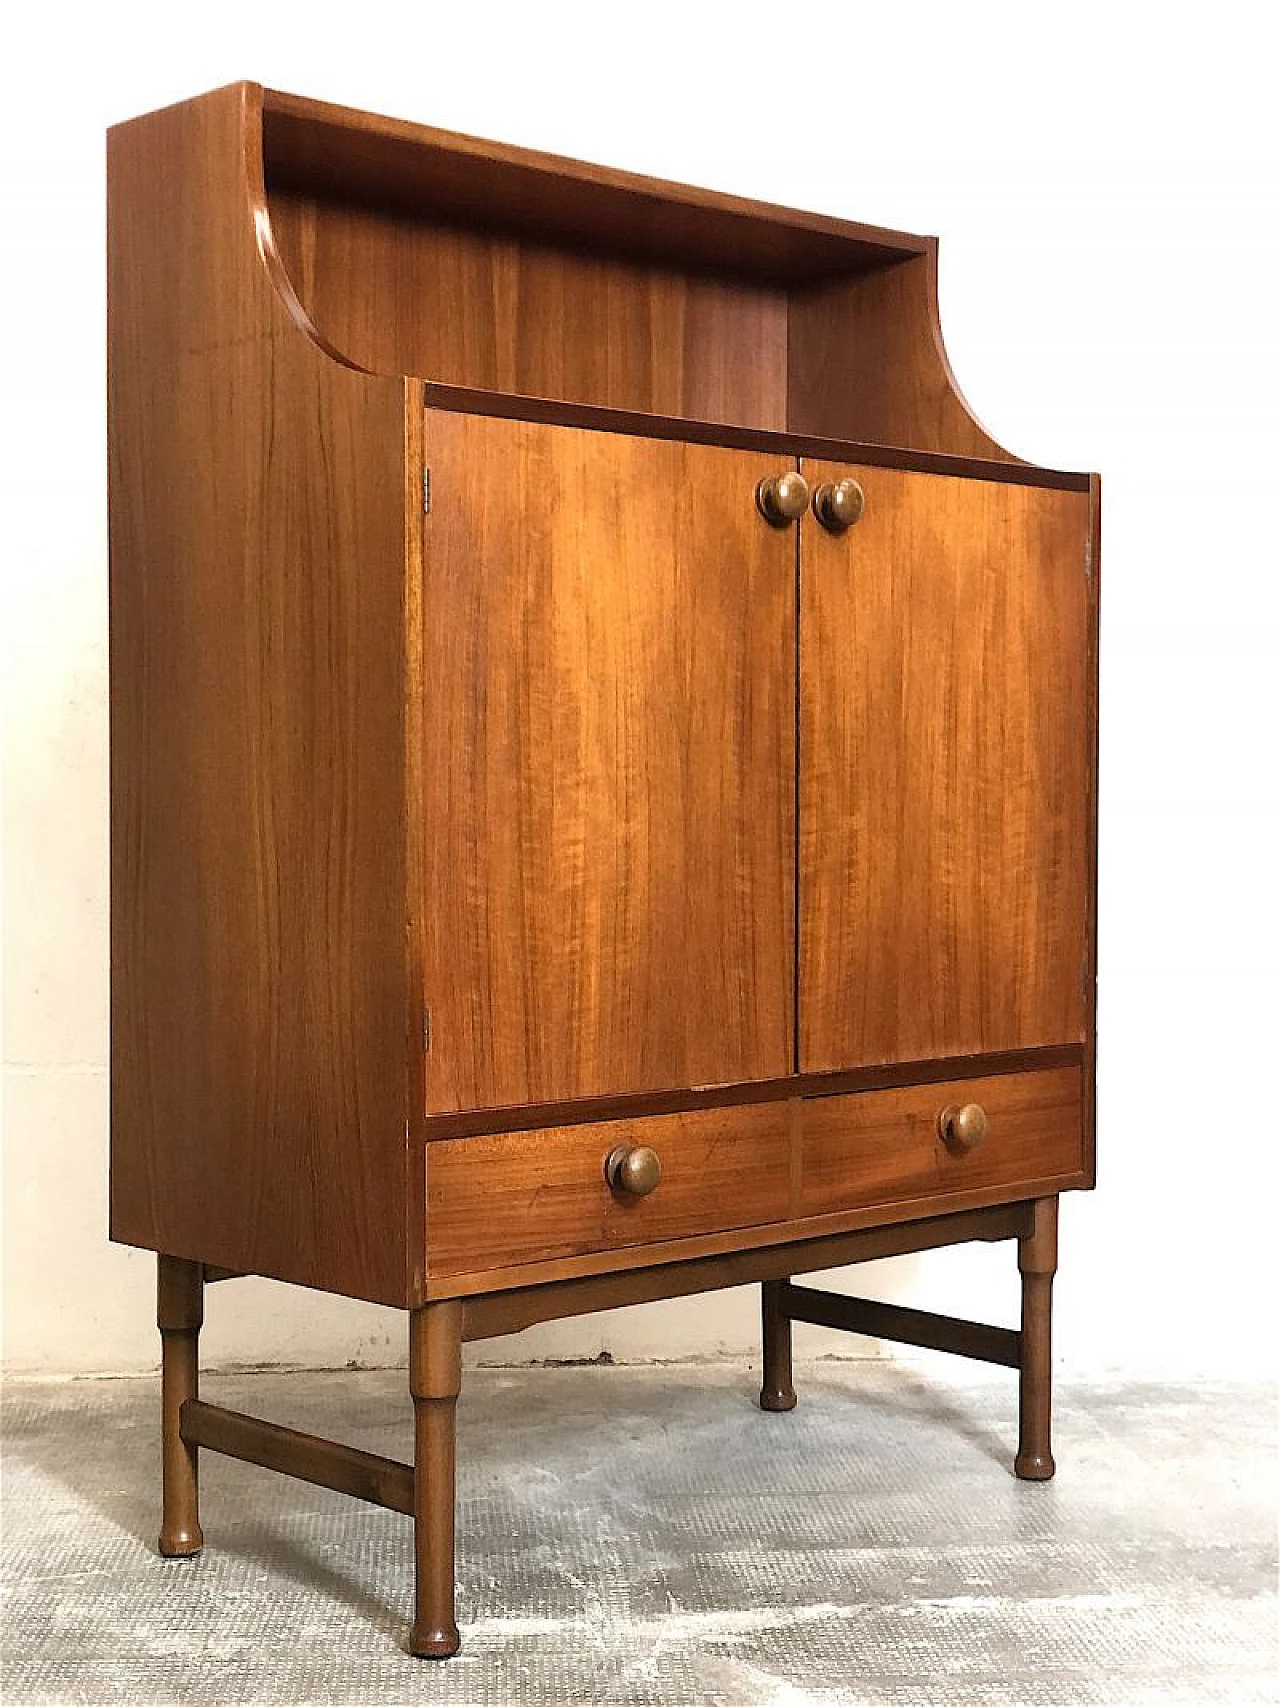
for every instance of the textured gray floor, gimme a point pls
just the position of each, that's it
(648, 1536)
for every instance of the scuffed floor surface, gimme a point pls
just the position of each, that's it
(648, 1536)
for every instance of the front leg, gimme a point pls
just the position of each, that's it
(179, 1315)
(435, 1380)
(1038, 1262)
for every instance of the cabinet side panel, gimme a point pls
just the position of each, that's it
(1091, 897)
(259, 992)
(867, 361)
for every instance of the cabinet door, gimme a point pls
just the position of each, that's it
(944, 764)
(609, 774)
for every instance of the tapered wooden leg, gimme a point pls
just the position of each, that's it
(179, 1314)
(1037, 1261)
(777, 1392)
(435, 1379)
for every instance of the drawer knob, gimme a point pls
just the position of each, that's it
(963, 1129)
(838, 504)
(782, 498)
(633, 1169)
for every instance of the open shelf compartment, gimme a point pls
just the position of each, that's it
(496, 269)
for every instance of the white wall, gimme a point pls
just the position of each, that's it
(1100, 177)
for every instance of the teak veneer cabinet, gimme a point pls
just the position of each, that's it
(602, 765)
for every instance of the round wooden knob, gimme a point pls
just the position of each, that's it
(782, 498)
(633, 1169)
(838, 504)
(963, 1129)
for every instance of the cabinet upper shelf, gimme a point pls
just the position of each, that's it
(494, 272)
(317, 150)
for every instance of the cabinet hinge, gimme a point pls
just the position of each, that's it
(426, 1031)
(426, 491)
(1088, 558)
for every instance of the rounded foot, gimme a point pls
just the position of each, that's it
(1033, 1466)
(434, 1643)
(777, 1399)
(180, 1543)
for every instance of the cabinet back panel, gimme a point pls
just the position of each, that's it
(399, 293)
(608, 766)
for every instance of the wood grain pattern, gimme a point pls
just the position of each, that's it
(608, 766)
(944, 763)
(866, 360)
(259, 996)
(467, 180)
(533, 1196)
(884, 1146)
(476, 308)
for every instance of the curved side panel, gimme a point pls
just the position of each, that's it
(268, 250)
(283, 286)
(868, 363)
(995, 450)
(258, 546)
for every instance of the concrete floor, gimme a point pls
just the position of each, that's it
(648, 1536)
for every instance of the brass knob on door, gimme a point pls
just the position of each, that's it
(838, 504)
(963, 1129)
(783, 498)
(633, 1169)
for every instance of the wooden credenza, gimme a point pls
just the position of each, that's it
(602, 765)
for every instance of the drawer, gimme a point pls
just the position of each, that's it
(886, 1147)
(520, 1197)
(515, 1198)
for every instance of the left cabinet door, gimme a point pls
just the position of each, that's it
(608, 778)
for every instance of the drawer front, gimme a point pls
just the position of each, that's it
(887, 1146)
(520, 1197)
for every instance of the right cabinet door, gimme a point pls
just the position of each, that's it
(944, 769)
